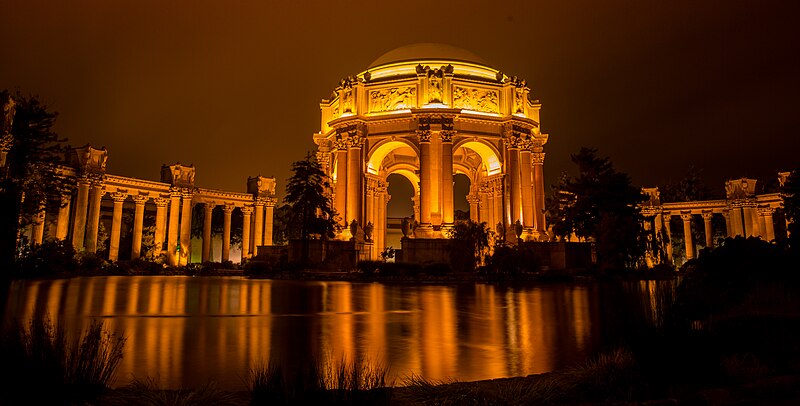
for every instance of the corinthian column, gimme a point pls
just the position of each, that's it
(247, 212)
(227, 209)
(172, 229)
(514, 181)
(186, 228)
(269, 219)
(79, 223)
(768, 224)
(258, 226)
(709, 231)
(138, 222)
(526, 185)
(161, 219)
(447, 176)
(687, 235)
(425, 189)
(340, 198)
(116, 225)
(94, 216)
(208, 211)
(62, 225)
(537, 160)
(354, 180)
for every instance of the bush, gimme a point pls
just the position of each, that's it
(41, 366)
(51, 258)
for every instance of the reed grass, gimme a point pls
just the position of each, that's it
(41, 365)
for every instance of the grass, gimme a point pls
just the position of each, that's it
(42, 366)
(148, 393)
(345, 383)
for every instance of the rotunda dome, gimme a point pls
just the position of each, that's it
(427, 51)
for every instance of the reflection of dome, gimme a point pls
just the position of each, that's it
(427, 51)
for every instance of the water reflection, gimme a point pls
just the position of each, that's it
(186, 330)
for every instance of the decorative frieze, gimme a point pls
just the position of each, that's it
(483, 100)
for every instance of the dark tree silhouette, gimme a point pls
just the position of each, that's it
(469, 242)
(311, 211)
(603, 206)
(30, 175)
(791, 207)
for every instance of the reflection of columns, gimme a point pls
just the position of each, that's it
(709, 230)
(116, 225)
(447, 176)
(258, 226)
(269, 218)
(186, 228)
(354, 195)
(208, 212)
(161, 218)
(138, 222)
(687, 235)
(79, 224)
(667, 218)
(172, 228)
(340, 201)
(247, 212)
(38, 224)
(426, 172)
(227, 209)
(765, 214)
(526, 184)
(94, 216)
(538, 186)
(62, 224)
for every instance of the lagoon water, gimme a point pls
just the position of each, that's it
(186, 331)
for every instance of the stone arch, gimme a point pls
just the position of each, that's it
(378, 152)
(488, 153)
(405, 170)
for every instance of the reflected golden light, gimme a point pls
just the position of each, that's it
(188, 330)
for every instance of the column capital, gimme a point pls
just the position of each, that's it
(340, 144)
(707, 215)
(513, 142)
(765, 211)
(209, 205)
(247, 210)
(140, 200)
(118, 197)
(424, 135)
(161, 201)
(259, 202)
(537, 158)
(447, 135)
(228, 208)
(686, 216)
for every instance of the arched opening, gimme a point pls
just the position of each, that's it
(489, 156)
(400, 205)
(461, 189)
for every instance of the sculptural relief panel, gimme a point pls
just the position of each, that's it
(394, 98)
(483, 100)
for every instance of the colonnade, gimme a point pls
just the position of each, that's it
(744, 213)
(78, 213)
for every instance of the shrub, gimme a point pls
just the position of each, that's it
(51, 258)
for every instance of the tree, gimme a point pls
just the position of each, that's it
(311, 211)
(468, 237)
(791, 207)
(31, 174)
(601, 205)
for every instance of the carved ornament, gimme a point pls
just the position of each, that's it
(118, 197)
(424, 135)
(395, 98)
(178, 175)
(447, 135)
(483, 100)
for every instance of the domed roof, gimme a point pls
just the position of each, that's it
(427, 51)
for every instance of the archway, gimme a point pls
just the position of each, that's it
(461, 191)
(401, 205)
